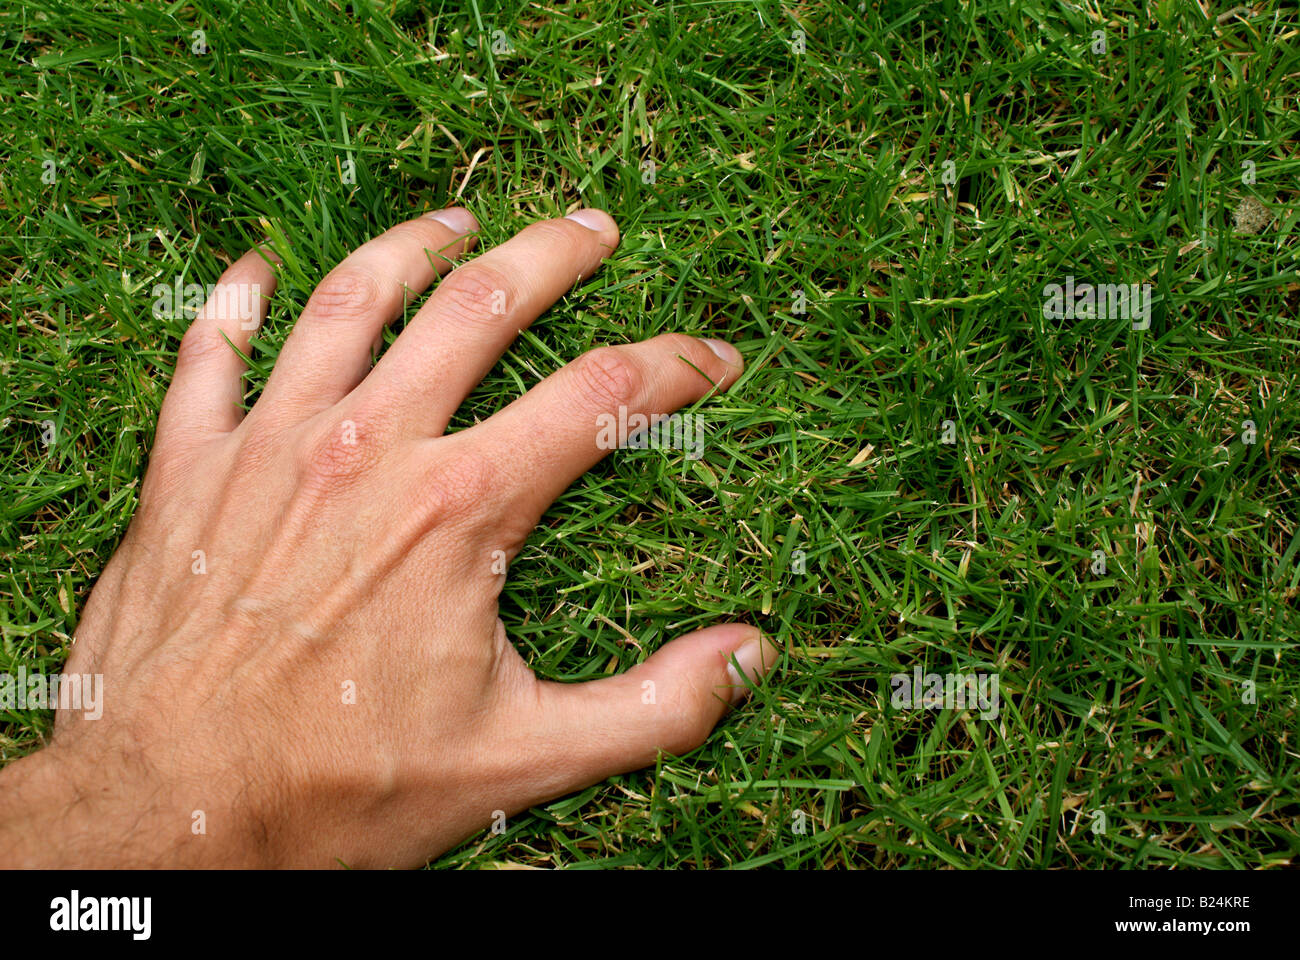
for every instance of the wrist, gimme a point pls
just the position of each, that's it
(42, 821)
(59, 809)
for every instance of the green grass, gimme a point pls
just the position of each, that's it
(774, 172)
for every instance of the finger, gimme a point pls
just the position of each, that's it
(207, 388)
(670, 703)
(571, 420)
(477, 310)
(330, 349)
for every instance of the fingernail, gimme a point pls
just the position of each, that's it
(456, 218)
(593, 219)
(756, 657)
(726, 351)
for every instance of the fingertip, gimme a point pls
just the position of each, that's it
(733, 646)
(749, 661)
(455, 218)
(598, 221)
(726, 352)
(726, 637)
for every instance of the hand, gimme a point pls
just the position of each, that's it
(298, 636)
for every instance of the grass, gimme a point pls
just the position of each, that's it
(774, 171)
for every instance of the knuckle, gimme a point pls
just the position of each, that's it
(474, 477)
(474, 293)
(457, 488)
(682, 737)
(689, 347)
(346, 293)
(259, 444)
(340, 456)
(685, 722)
(200, 343)
(608, 378)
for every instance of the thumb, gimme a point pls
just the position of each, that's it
(668, 703)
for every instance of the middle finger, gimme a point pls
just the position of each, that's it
(475, 313)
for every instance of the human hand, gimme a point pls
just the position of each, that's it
(299, 635)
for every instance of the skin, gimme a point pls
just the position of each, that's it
(347, 545)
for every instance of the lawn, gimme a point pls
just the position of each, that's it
(927, 468)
